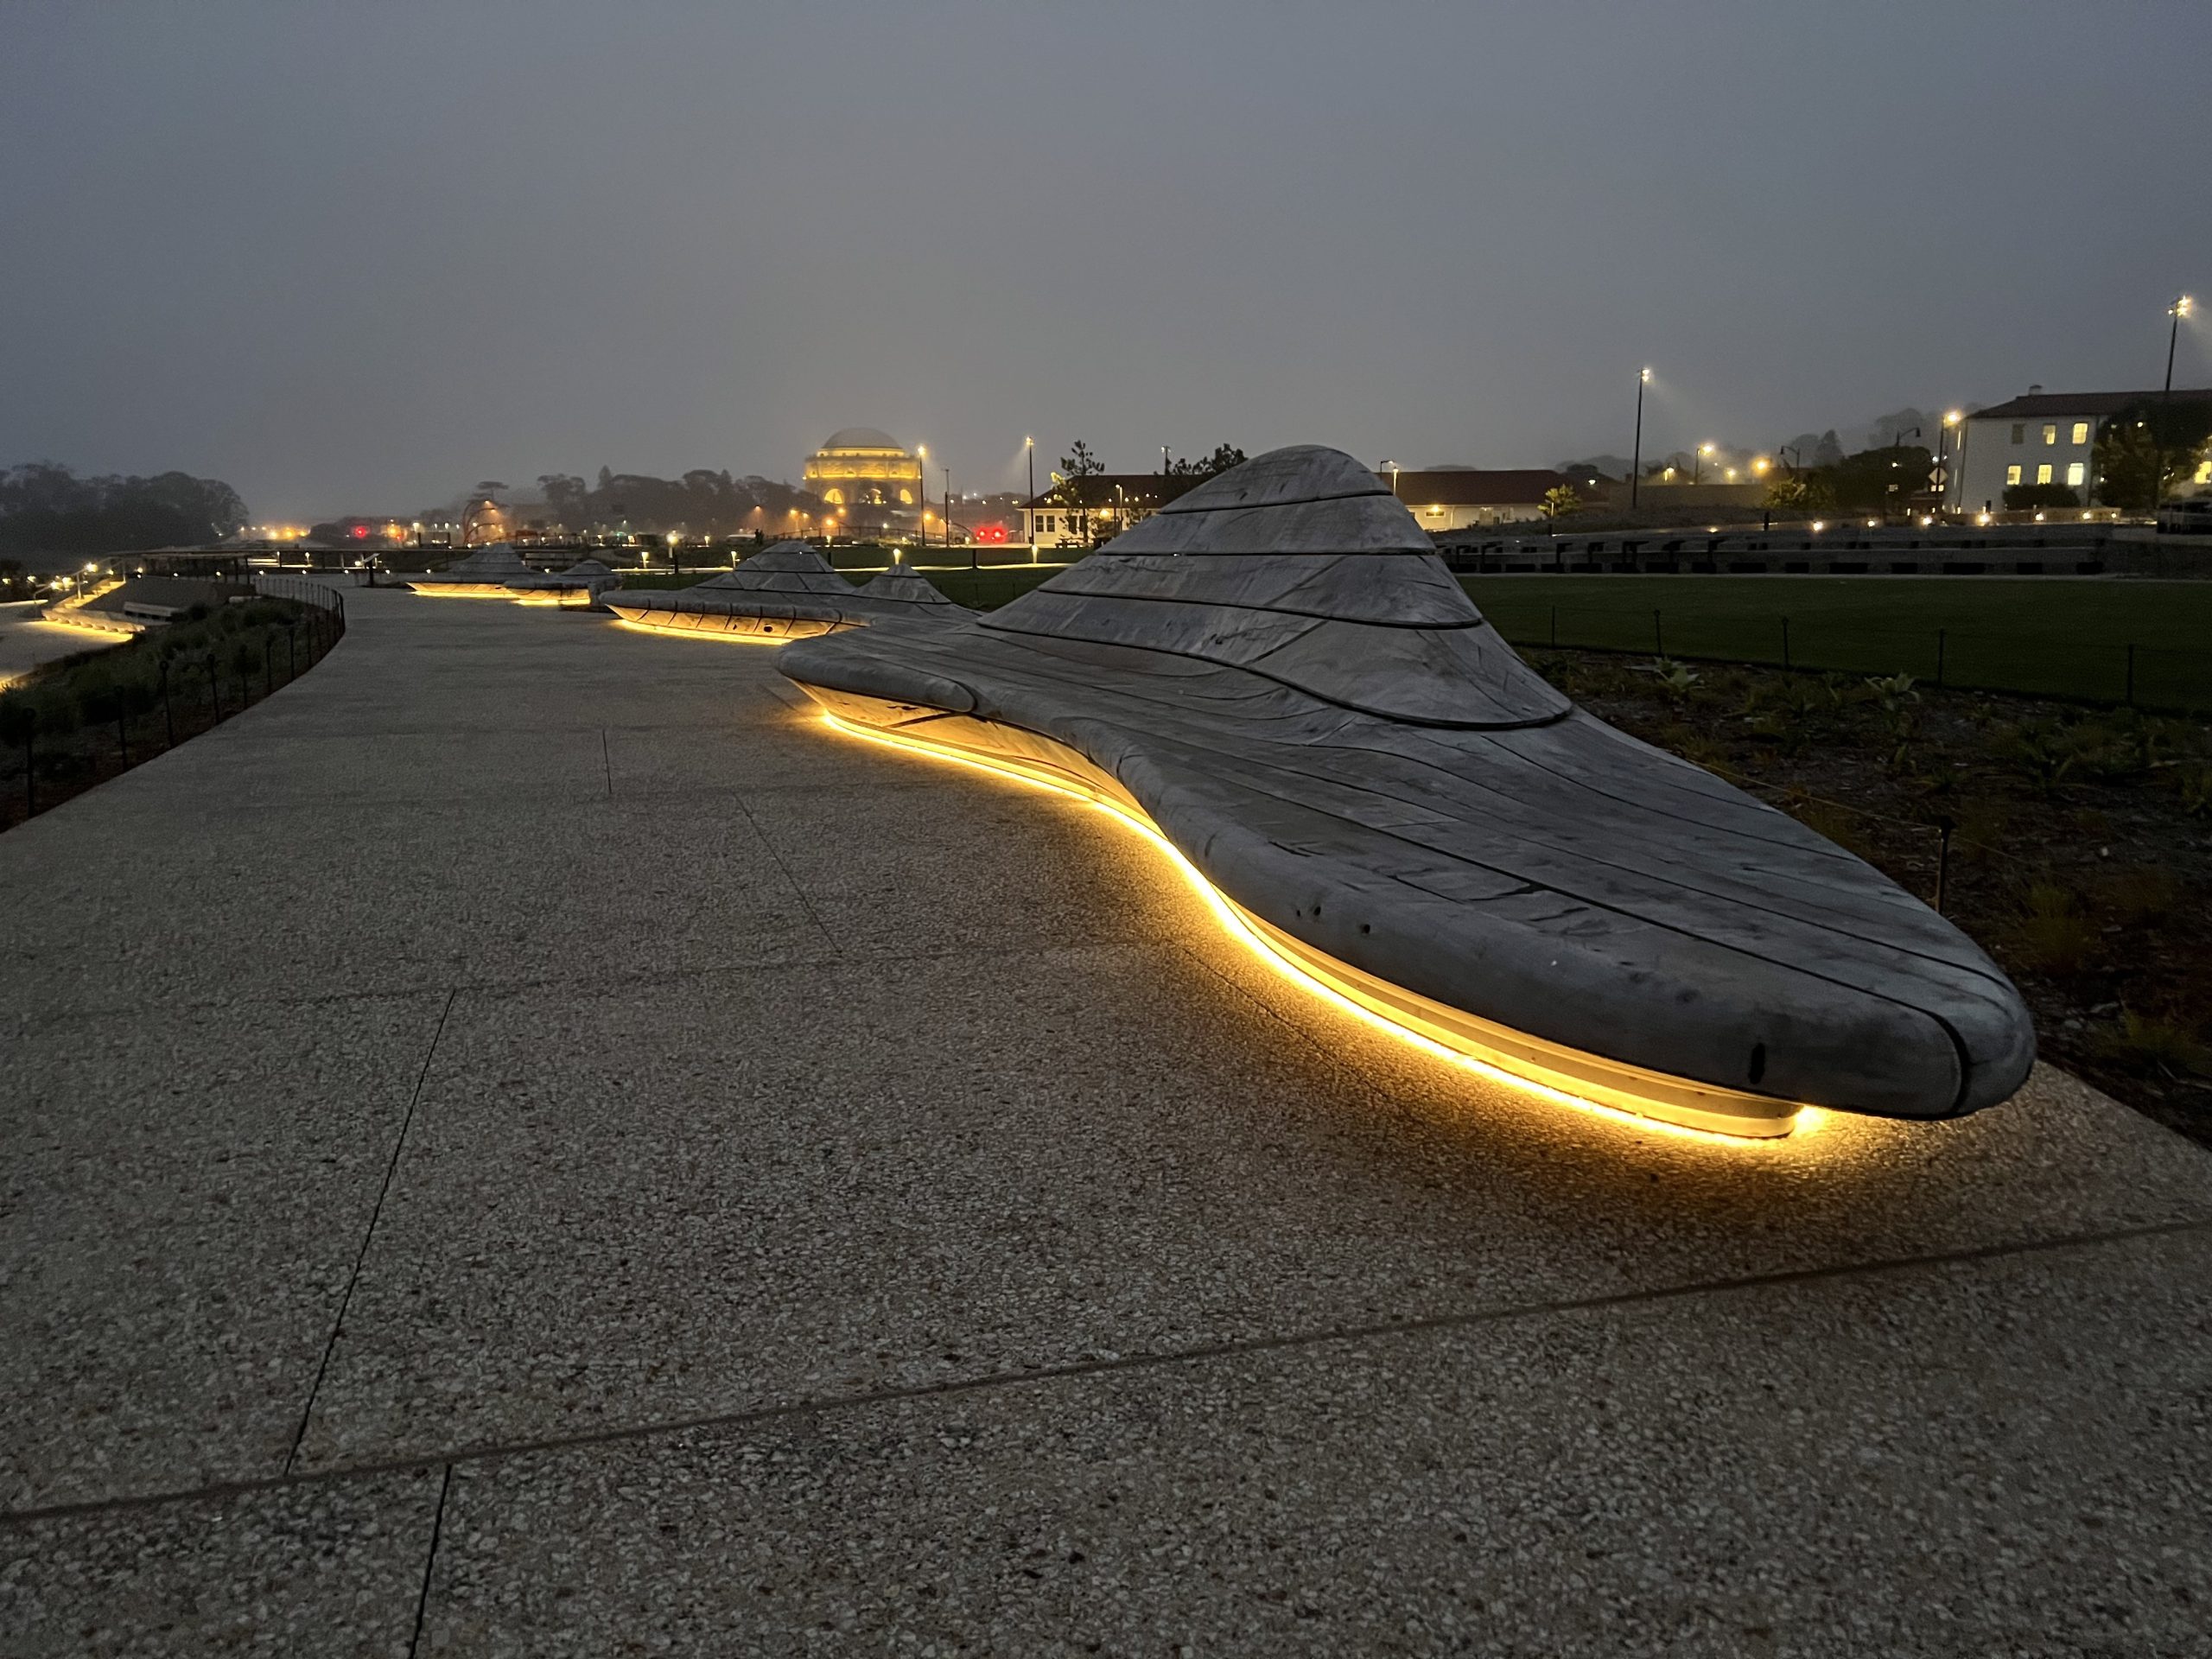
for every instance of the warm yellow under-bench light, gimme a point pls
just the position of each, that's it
(1648, 1100)
(667, 633)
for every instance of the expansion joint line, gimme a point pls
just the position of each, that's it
(1288, 1342)
(376, 1213)
(431, 1562)
(805, 903)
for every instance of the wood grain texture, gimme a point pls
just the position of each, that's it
(1400, 792)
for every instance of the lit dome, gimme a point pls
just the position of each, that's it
(862, 437)
(867, 478)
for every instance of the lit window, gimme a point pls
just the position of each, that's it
(2011, 475)
(2019, 432)
(2050, 431)
(2081, 432)
(2043, 473)
(2076, 473)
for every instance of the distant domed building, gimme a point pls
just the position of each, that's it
(867, 479)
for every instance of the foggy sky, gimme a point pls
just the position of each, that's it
(353, 258)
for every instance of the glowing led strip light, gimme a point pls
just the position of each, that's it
(667, 633)
(111, 629)
(1297, 963)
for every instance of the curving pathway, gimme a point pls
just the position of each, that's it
(526, 1142)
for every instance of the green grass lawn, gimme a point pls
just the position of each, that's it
(2050, 637)
(2043, 636)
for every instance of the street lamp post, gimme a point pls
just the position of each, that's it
(1029, 509)
(1392, 466)
(1697, 462)
(2177, 310)
(1635, 462)
(1942, 482)
(2181, 307)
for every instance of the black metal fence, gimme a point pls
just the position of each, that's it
(2166, 678)
(84, 719)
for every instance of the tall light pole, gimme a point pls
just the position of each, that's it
(2181, 307)
(948, 509)
(1635, 462)
(1029, 507)
(1393, 465)
(2177, 310)
(1942, 482)
(1697, 462)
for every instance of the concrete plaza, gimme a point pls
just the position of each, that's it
(527, 1143)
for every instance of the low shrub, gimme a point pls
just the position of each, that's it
(2053, 936)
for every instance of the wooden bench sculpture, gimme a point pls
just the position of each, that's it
(578, 587)
(483, 574)
(785, 591)
(1278, 674)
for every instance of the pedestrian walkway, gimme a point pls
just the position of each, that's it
(527, 1143)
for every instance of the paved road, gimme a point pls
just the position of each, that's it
(525, 1143)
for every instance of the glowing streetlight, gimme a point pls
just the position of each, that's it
(2182, 306)
(1942, 482)
(1029, 454)
(1697, 462)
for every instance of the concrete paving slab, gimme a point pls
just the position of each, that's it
(269, 769)
(930, 865)
(320, 1570)
(126, 904)
(819, 1181)
(2003, 1456)
(184, 1203)
(647, 891)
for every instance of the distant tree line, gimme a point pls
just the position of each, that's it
(46, 508)
(1873, 480)
(1071, 482)
(699, 503)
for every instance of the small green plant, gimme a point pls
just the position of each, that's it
(2039, 750)
(2053, 937)
(2139, 894)
(1893, 691)
(1983, 825)
(1674, 679)
(2194, 784)
(2142, 1042)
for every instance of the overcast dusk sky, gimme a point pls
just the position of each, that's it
(353, 258)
